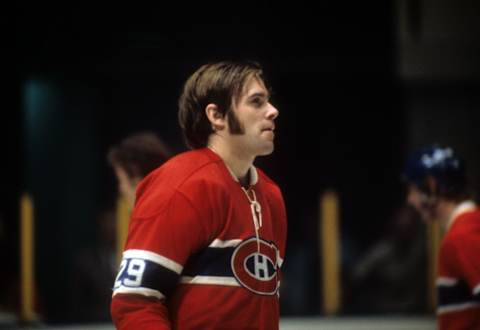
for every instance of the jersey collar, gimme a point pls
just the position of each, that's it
(252, 170)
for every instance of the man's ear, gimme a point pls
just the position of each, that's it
(217, 119)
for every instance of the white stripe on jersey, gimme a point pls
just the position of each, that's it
(476, 290)
(457, 307)
(215, 280)
(156, 258)
(446, 281)
(217, 243)
(141, 291)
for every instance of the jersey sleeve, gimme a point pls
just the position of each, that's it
(157, 248)
(131, 312)
(467, 262)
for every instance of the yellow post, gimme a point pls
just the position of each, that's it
(123, 216)
(434, 238)
(26, 262)
(330, 252)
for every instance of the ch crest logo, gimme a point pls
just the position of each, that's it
(256, 270)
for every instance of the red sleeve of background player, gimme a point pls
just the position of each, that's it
(467, 261)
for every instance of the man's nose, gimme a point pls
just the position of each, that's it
(272, 112)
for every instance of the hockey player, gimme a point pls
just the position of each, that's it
(438, 190)
(207, 236)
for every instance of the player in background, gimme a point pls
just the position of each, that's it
(438, 189)
(133, 158)
(95, 266)
(208, 231)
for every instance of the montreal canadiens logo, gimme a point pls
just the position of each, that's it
(256, 270)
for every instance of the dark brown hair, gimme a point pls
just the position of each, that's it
(218, 83)
(139, 154)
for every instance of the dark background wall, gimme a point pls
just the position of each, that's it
(351, 105)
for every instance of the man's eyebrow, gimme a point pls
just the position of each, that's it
(259, 94)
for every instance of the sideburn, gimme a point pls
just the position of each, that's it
(235, 127)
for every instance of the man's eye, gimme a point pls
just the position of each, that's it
(257, 101)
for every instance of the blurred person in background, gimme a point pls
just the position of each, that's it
(391, 274)
(438, 189)
(93, 272)
(133, 158)
(95, 267)
(207, 235)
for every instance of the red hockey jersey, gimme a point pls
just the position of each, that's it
(202, 252)
(458, 283)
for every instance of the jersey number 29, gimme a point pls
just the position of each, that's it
(131, 273)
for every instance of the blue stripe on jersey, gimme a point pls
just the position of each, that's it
(211, 261)
(143, 273)
(455, 293)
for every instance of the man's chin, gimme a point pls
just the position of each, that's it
(267, 150)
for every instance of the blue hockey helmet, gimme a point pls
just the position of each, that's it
(441, 163)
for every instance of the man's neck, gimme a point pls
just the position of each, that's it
(238, 163)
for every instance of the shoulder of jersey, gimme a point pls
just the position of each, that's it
(267, 181)
(189, 172)
(467, 225)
